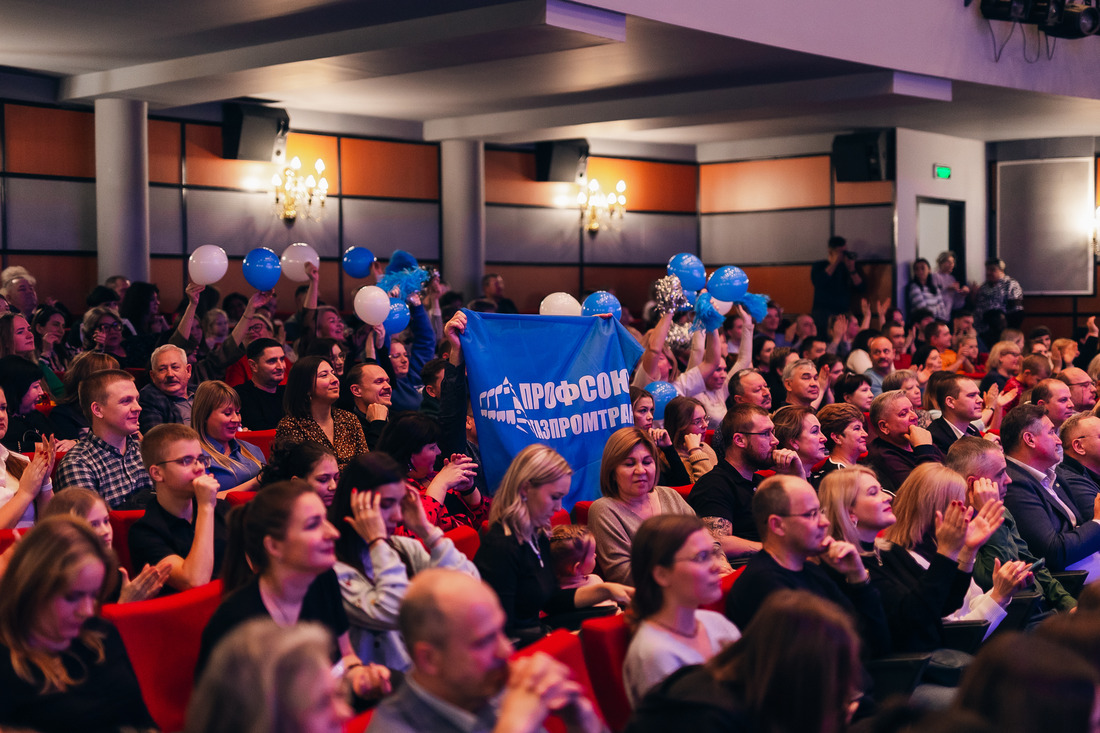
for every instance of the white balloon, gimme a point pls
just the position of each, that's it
(722, 306)
(207, 264)
(372, 305)
(294, 261)
(559, 304)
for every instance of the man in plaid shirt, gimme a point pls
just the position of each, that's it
(107, 459)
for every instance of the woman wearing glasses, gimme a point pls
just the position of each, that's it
(676, 570)
(628, 478)
(216, 417)
(102, 333)
(686, 423)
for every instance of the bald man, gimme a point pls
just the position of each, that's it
(1079, 470)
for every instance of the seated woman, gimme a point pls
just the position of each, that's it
(686, 423)
(101, 331)
(451, 498)
(845, 438)
(312, 462)
(332, 351)
(1003, 363)
(89, 506)
(267, 679)
(676, 569)
(17, 338)
(514, 557)
(796, 641)
(374, 565)
(798, 429)
(48, 326)
(854, 389)
(21, 382)
(922, 569)
(671, 471)
(69, 420)
(216, 417)
(26, 487)
(279, 565)
(62, 668)
(628, 476)
(141, 307)
(312, 389)
(215, 330)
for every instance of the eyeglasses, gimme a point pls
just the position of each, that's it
(188, 461)
(114, 326)
(1081, 384)
(699, 421)
(257, 328)
(769, 432)
(812, 515)
(703, 558)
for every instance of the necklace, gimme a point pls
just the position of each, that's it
(533, 542)
(279, 615)
(674, 630)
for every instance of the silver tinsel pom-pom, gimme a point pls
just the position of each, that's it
(670, 295)
(679, 337)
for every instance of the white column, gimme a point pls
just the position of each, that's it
(122, 188)
(462, 164)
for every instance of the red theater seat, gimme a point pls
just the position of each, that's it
(580, 512)
(121, 521)
(683, 490)
(560, 517)
(466, 540)
(604, 641)
(566, 648)
(262, 439)
(719, 606)
(162, 637)
(236, 498)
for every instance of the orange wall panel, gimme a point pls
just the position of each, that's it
(207, 167)
(510, 179)
(49, 142)
(629, 284)
(167, 273)
(387, 169)
(649, 186)
(759, 185)
(164, 151)
(790, 287)
(308, 148)
(527, 285)
(871, 192)
(68, 278)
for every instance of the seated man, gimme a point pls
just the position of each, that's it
(453, 627)
(1044, 511)
(432, 377)
(371, 393)
(976, 459)
(185, 523)
(882, 362)
(262, 395)
(789, 518)
(1079, 470)
(802, 385)
(107, 459)
(723, 497)
(899, 444)
(166, 399)
(1054, 397)
(1081, 389)
(961, 403)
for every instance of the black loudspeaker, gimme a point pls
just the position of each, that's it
(864, 156)
(254, 132)
(561, 160)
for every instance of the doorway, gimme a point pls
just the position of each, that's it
(941, 225)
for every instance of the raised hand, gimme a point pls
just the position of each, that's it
(147, 584)
(366, 515)
(413, 515)
(951, 529)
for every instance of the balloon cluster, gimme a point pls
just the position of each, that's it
(597, 304)
(726, 286)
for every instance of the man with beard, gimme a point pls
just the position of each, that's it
(166, 398)
(262, 395)
(453, 627)
(723, 497)
(794, 529)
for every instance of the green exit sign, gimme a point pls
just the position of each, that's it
(942, 172)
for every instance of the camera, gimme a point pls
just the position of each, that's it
(852, 255)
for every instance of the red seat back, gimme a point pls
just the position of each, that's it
(605, 641)
(466, 539)
(121, 521)
(162, 637)
(7, 538)
(236, 498)
(719, 606)
(359, 723)
(683, 490)
(560, 517)
(580, 512)
(566, 648)
(262, 439)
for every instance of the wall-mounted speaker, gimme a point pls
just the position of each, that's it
(864, 156)
(561, 160)
(254, 132)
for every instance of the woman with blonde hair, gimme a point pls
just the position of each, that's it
(514, 557)
(216, 417)
(628, 478)
(929, 552)
(264, 678)
(62, 668)
(1003, 363)
(1063, 352)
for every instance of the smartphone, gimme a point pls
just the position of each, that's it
(1038, 565)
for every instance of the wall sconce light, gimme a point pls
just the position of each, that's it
(598, 207)
(297, 194)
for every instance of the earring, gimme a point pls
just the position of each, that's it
(855, 520)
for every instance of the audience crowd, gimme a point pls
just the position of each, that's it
(832, 502)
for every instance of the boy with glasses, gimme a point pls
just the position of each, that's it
(185, 524)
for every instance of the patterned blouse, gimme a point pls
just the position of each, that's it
(454, 512)
(348, 433)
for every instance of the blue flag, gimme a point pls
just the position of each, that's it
(563, 381)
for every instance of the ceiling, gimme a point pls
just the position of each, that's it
(497, 70)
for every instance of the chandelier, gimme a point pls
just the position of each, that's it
(598, 207)
(296, 194)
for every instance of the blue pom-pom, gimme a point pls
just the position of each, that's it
(406, 281)
(756, 305)
(706, 317)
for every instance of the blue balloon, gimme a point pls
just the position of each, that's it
(690, 296)
(602, 302)
(398, 319)
(262, 268)
(662, 392)
(689, 269)
(357, 261)
(729, 283)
